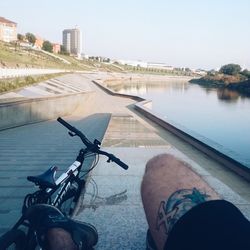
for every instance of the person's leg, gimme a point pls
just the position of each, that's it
(56, 231)
(169, 189)
(59, 239)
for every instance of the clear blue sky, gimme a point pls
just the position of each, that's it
(188, 33)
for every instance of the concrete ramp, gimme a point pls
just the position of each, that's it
(32, 149)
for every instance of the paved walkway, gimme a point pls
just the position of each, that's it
(112, 200)
(31, 150)
(116, 210)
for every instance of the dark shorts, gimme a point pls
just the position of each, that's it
(210, 225)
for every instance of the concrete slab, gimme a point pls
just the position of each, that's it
(32, 149)
(116, 209)
(112, 201)
(10, 95)
(126, 131)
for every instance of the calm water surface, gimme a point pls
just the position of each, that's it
(218, 118)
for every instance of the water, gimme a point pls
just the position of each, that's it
(221, 119)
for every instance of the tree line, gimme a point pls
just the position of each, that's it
(47, 45)
(231, 69)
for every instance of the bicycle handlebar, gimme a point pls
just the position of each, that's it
(91, 146)
(114, 159)
(76, 131)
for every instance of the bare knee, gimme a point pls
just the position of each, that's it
(158, 161)
(156, 172)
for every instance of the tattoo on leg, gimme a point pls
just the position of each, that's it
(177, 205)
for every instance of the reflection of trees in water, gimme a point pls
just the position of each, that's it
(208, 90)
(227, 95)
(145, 87)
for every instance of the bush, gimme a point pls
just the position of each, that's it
(47, 46)
(246, 73)
(31, 38)
(230, 69)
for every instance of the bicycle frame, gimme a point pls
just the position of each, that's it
(63, 183)
(48, 186)
(65, 178)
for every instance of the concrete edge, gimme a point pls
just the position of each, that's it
(39, 99)
(29, 111)
(214, 154)
(111, 92)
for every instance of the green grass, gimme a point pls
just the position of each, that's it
(12, 55)
(20, 57)
(19, 82)
(154, 71)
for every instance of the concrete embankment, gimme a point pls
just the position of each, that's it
(40, 109)
(131, 137)
(44, 101)
(136, 78)
(135, 139)
(142, 107)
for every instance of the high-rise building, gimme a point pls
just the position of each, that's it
(8, 31)
(72, 41)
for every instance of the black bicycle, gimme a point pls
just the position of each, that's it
(62, 192)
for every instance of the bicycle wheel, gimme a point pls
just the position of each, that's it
(70, 198)
(13, 239)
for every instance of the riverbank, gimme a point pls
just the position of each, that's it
(134, 138)
(235, 83)
(114, 80)
(131, 137)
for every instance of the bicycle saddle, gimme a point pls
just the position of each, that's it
(47, 179)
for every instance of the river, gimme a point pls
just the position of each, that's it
(219, 118)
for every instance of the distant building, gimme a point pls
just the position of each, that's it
(56, 48)
(201, 72)
(38, 43)
(72, 41)
(8, 30)
(160, 66)
(133, 63)
(85, 56)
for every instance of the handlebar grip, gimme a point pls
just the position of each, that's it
(119, 162)
(65, 124)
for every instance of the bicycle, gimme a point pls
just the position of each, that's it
(62, 192)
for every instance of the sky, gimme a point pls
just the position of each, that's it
(182, 33)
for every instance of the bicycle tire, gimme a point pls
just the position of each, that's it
(13, 239)
(70, 198)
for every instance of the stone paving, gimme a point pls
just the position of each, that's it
(116, 210)
(31, 150)
(112, 199)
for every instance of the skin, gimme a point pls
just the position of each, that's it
(59, 239)
(164, 176)
(166, 179)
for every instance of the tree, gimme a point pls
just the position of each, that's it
(30, 37)
(47, 46)
(63, 50)
(246, 73)
(230, 69)
(20, 37)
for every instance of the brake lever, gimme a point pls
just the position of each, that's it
(71, 134)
